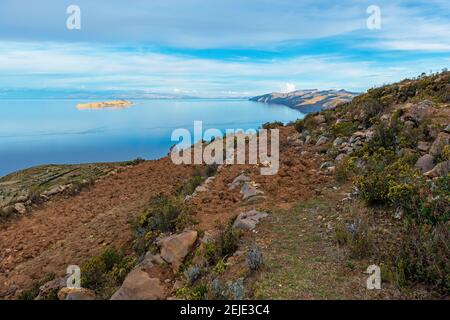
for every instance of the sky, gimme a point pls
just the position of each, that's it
(219, 48)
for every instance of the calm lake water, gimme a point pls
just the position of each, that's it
(34, 132)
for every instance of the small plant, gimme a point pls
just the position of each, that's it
(228, 241)
(272, 125)
(189, 187)
(356, 236)
(254, 259)
(192, 274)
(32, 292)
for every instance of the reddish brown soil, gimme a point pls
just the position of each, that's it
(69, 231)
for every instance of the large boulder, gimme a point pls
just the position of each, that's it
(439, 170)
(249, 220)
(425, 163)
(439, 143)
(176, 247)
(76, 294)
(138, 285)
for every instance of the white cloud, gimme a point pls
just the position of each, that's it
(288, 87)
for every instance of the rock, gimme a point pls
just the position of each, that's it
(439, 143)
(20, 208)
(340, 157)
(254, 259)
(425, 163)
(138, 285)
(419, 111)
(192, 274)
(177, 285)
(76, 294)
(238, 181)
(176, 247)
(53, 191)
(342, 120)
(249, 220)
(50, 288)
(337, 142)
(308, 139)
(423, 146)
(447, 128)
(439, 170)
(326, 165)
(150, 260)
(319, 119)
(322, 140)
(398, 213)
(249, 191)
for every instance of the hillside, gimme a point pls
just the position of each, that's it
(307, 100)
(366, 183)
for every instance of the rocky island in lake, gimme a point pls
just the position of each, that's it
(113, 104)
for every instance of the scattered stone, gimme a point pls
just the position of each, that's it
(399, 213)
(176, 247)
(249, 191)
(51, 288)
(439, 143)
(340, 157)
(322, 140)
(192, 274)
(439, 170)
(20, 208)
(425, 163)
(138, 285)
(238, 181)
(237, 289)
(423, 146)
(177, 285)
(308, 139)
(447, 129)
(337, 142)
(319, 119)
(326, 165)
(76, 294)
(254, 259)
(249, 220)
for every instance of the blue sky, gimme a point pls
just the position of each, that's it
(219, 48)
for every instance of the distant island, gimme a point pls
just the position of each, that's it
(310, 100)
(113, 104)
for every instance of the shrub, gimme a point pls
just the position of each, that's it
(189, 187)
(105, 272)
(299, 125)
(32, 292)
(211, 169)
(228, 241)
(344, 170)
(272, 125)
(356, 235)
(344, 129)
(422, 255)
(162, 214)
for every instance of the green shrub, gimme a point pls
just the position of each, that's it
(189, 187)
(299, 125)
(344, 129)
(32, 292)
(356, 235)
(105, 272)
(162, 214)
(228, 240)
(272, 125)
(422, 255)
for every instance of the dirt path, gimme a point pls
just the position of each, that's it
(68, 231)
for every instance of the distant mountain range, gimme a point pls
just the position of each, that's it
(309, 100)
(86, 94)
